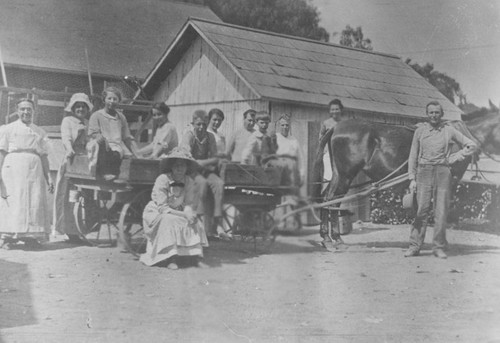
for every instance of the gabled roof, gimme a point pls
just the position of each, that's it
(287, 68)
(123, 37)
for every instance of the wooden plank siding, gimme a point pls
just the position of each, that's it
(201, 76)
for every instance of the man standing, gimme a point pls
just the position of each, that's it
(335, 109)
(239, 139)
(202, 146)
(429, 171)
(289, 153)
(259, 144)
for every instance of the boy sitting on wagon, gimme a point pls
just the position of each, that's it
(210, 188)
(110, 137)
(259, 146)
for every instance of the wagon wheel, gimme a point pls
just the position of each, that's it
(255, 223)
(89, 214)
(130, 223)
(229, 218)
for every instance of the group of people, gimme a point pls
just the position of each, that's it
(189, 186)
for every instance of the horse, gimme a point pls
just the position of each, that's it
(378, 150)
(485, 127)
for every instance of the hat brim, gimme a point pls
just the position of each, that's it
(167, 163)
(73, 101)
(409, 201)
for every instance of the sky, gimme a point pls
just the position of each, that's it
(460, 37)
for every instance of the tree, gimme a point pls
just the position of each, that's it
(448, 86)
(354, 38)
(291, 17)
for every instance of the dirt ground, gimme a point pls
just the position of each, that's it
(367, 292)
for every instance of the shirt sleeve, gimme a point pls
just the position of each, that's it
(94, 128)
(187, 141)
(413, 158)
(4, 139)
(125, 129)
(160, 191)
(467, 145)
(66, 133)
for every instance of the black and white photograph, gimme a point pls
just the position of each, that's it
(250, 171)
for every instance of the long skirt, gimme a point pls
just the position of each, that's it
(169, 235)
(64, 222)
(25, 212)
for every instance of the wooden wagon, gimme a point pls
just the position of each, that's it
(105, 211)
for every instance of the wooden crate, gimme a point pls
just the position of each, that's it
(132, 170)
(249, 175)
(139, 170)
(79, 167)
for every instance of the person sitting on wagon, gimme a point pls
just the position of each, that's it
(165, 138)
(170, 223)
(215, 119)
(259, 145)
(110, 137)
(74, 140)
(238, 141)
(210, 188)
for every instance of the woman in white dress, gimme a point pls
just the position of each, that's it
(170, 224)
(74, 139)
(24, 179)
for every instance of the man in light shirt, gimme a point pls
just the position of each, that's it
(239, 139)
(430, 174)
(289, 153)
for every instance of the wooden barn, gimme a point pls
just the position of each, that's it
(235, 68)
(43, 45)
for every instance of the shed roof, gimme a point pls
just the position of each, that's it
(123, 37)
(287, 68)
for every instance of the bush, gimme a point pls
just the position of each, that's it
(470, 201)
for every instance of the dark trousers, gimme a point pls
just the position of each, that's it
(108, 161)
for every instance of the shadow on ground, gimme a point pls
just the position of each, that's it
(16, 303)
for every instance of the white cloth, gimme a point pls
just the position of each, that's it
(237, 143)
(220, 141)
(114, 128)
(290, 146)
(74, 135)
(165, 139)
(25, 211)
(169, 234)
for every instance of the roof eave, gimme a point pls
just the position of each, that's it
(178, 39)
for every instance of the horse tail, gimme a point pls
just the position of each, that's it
(318, 167)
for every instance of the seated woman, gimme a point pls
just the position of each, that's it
(110, 137)
(74, 139)
(165, 137)
(170, 224)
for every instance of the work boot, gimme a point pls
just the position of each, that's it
(439, 253)
(411, 252)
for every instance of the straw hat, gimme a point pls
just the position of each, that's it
(179, 154)
(78, 97)
(409, 201)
